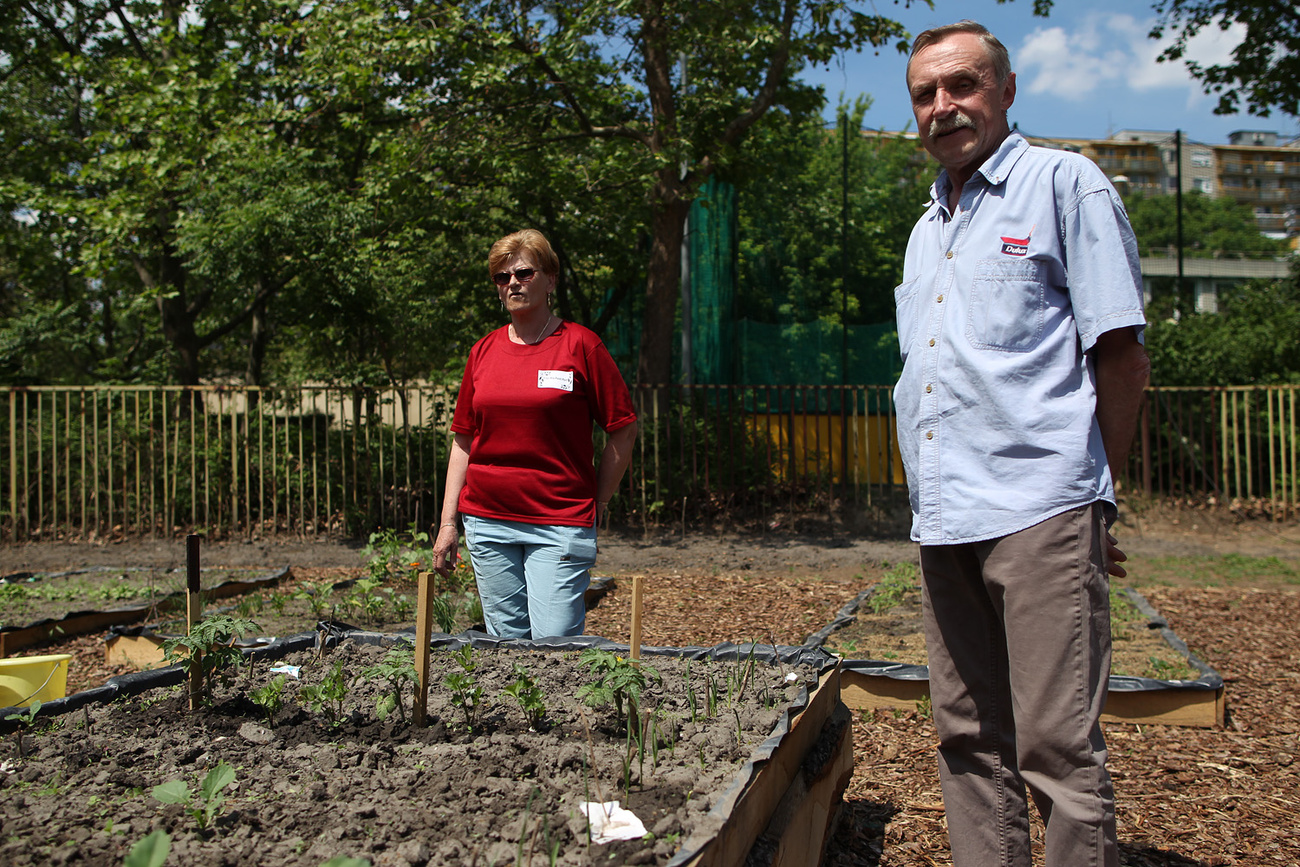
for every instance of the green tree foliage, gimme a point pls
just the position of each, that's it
(1254, 339)
(252, 189)
(1264, 69)
(1219, 228)
(678, 86)
(793, 254)
(1212, 228)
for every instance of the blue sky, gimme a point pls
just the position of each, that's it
(1084, 72)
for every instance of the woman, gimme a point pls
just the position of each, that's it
(520, 473)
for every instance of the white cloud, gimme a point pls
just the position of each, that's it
(1101, 50)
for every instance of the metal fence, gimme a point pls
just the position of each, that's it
(312, 460)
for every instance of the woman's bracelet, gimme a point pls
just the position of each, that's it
(448, 524)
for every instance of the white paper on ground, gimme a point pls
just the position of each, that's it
(611, 822)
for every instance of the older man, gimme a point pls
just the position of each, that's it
(1020, 321)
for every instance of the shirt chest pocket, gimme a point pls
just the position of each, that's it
(905, 304)
(1007, 306)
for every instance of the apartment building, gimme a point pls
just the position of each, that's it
(1255, 168)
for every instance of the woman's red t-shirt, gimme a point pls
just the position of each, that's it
(529, 410)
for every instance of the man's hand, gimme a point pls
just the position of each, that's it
(1114, 556)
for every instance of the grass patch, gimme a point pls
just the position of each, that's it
(1228, 570)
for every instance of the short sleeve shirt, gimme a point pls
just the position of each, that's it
(529, 411)
(1000, 303)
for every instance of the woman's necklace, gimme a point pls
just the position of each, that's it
(538, 339)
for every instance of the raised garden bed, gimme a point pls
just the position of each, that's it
(752, 749)
(1154, 677)
(40, 607)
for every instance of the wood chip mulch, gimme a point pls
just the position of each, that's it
(1186, 797)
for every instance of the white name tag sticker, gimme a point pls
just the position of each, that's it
(561, 379)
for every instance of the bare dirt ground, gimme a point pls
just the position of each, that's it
(1186, 797)
(828, 551)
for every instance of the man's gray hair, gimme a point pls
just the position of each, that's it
(998, 55)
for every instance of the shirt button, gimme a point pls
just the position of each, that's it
(949, 254)
(940, 299)
(928, 389)
(932, 341)
(929, 434)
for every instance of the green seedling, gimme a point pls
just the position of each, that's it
(1164, 669)
(366, 599)
(617, 681)
(690, 693)
(443, 608)
(270, 698)
(381, 549)
(118, 593)
(403, 607)
(203, 805)
(531, 701)
(893, 588)
(539, 826)
(26, 720)
(248, 606)
(741, 675)
(210, 645)
(387, 554)
(316, 596)
(278, 601)
(398, 669)
(151, 851)
(465, 690)
(474, 609)
(327, 696)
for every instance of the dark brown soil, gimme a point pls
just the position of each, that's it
(310, 786)
(1187, 797)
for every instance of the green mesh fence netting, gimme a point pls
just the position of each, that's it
(726, 349)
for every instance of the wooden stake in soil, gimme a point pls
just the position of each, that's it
(635, 642)
(423, 635)
(193, 612)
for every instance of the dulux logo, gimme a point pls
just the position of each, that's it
(1015, 246)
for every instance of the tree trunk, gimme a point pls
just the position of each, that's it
(259, 336)
(174, 311)
(663, 278)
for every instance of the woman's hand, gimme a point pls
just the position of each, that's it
(444, 549)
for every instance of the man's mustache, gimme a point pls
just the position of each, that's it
(951, 124)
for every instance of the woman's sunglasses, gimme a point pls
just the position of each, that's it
(523, 275)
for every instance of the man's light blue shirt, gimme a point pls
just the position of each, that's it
(1000, 303)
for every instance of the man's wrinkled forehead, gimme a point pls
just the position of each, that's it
(953, 57)
(943, 62)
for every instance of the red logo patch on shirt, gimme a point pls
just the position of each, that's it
(1015, 246)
